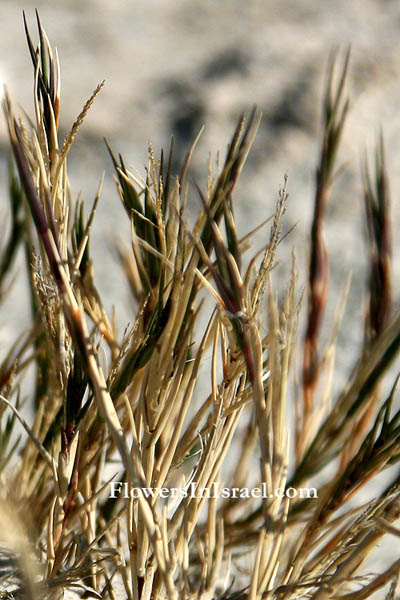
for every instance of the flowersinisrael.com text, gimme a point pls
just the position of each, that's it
(120, 488)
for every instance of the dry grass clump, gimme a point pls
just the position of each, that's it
(101, 403)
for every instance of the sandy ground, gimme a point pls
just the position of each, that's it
(170, 66)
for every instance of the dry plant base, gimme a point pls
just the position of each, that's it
(102, 404)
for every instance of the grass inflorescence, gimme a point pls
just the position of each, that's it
(101, 403)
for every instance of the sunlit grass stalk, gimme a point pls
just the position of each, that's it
(335, 109)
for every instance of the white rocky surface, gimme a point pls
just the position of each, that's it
(171, 66)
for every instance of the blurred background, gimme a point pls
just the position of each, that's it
(170, 67)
